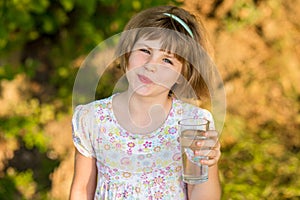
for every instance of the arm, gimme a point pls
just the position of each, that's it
(85, 178)
(211, 189)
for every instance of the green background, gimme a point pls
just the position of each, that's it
(43, 43)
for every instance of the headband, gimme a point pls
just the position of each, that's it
(180, 21)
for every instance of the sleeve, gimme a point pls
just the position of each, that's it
(192, 111)
(207, 115)
(81, 130)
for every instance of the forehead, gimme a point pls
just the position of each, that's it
(167, 40)
(144, 42)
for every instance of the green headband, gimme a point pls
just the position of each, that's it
(180, 21)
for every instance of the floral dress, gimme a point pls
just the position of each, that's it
(133, 166)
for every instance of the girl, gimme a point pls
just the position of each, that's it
(127, 145)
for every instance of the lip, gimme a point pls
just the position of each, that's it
(144, 79)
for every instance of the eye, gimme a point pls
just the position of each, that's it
(145, 51)
(166, 60)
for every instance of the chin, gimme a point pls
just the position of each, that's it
(143, 92)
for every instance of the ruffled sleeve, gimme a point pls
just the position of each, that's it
(192, 111)
(207, 115)
(81, 130)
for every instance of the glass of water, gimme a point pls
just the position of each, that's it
(191, 132)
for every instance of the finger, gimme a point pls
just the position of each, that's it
(208, 153)
(209, 143)
(217, 145)
(212, 159)
(212, 154)
(211, 133)
(202, 152)
(209, 162)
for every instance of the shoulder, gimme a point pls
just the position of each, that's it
(86, 114)
(94, 105)
(189, 110)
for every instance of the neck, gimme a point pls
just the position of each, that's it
(147, 111)
(140, 114)
(141, 104)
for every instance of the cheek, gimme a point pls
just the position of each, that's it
(135, 61)
(168, 77)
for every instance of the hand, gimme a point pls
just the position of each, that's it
(210, 148)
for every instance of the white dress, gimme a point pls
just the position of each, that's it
(132, 166)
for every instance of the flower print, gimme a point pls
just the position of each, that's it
(99, 140)
(112, 139)
(129, 151)
(146, 182)
(157, 149)
(119, 195)
(109, 118)
(159, 180)
(158, 195)
(126, 174)
(102, 130)
(137, 190)
(106, 176)
(103, 105)
(168, 143)
(178, 168)
(180, 111)
(124, 134)
(141, 157)
(106, 147)
(130, 144)
(146, 168)
(147, 144)
(102, 117)
(177, 156)
(172, 188)
(149, 155)
(125, 161)
(172, 130)
(118, 146)
(125, 194)
(111, 172)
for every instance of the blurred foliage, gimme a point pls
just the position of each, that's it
(43, 43)
(243, 13)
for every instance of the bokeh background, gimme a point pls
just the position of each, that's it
(257, 51)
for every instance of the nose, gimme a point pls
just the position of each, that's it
(153, 62)
(150, 67)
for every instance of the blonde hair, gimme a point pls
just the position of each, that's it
(153, 24)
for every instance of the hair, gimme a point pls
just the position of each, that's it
(153, 24)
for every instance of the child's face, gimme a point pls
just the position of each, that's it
(151, 70)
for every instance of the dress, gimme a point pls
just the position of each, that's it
(132, 166)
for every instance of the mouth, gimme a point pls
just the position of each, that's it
(144, 79)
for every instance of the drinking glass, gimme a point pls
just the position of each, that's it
(191, 132)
